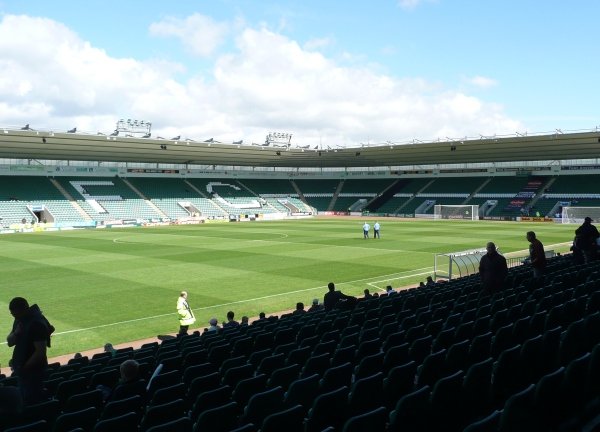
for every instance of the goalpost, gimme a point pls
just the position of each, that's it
(470, 212)
(572, 215)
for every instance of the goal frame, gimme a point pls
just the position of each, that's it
(569, 216)
(472, 208)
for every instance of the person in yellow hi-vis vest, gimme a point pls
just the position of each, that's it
(186, 316)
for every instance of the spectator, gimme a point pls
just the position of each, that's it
(30, 335)
(537, 256)
(390, 291)
(429, 281)
(315, 306)
(333, 297)
(586, 236)
(421, 284)
(131, 383)
(213, 325)
(492, 269)
(299, 309)
(262, 316)
(186, 316)
(367, 294)
(244, 321)
(231, 323)
(578, 256)
(108, 347)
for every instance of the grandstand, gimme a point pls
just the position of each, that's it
(435, 358)
(444, 357)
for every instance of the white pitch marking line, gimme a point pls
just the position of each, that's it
(207, 307)
(399, 277)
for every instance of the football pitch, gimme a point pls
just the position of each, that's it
(120, 285)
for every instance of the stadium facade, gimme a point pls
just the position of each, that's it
(77, 179)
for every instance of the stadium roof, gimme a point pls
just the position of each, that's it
(30, 144)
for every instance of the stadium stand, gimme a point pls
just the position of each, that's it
(525, 358)
(85, 200)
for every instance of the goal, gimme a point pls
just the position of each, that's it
(441, 211)
(572, 215)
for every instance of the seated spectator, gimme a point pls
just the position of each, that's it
(299, 309)
(430, 281)
(213, 325)
(422, 284)
(130, 383)
(315, 306)
(333, 298)
(244, 321)
(261, 317)
(108, 347)
(367, 294)
(390, 291)
(230, 321)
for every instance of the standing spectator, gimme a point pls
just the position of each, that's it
(578, 257)
(492, 269)
(537, 256)
(333, 297)
(376, 228)
(230, 321)
(366, 228)
(186, 316)
(586, 236)
(30, 336)
(299, 309)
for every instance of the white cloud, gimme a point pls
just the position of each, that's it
(51, 78)
(200, 34)
(483, 82)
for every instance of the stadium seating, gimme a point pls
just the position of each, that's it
(73, 200)
(424, 359)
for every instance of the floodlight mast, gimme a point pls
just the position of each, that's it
(134, 128)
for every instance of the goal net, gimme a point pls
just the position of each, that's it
(441, 211)
(576, 215)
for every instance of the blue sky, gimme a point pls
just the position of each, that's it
(336, 72)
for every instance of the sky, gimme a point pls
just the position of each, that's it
(328, 72)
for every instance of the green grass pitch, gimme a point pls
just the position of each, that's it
(120, 285)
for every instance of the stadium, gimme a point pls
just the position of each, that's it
(103, 230)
